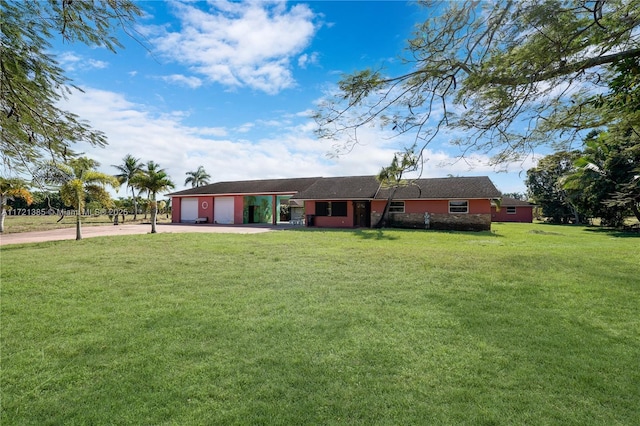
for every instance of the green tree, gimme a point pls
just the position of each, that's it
(605, 183)
(391, 177)
(152, 181)
(545, 185)
(32, 126)
(11, 188)
(130, 168)
(511, 75)
(198, 178)
(78, 180)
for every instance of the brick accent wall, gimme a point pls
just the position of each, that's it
(451, 222)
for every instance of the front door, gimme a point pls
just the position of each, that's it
(362, 214)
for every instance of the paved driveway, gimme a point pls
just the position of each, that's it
(106, 230)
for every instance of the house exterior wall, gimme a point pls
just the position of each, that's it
(175, 210)
(329, 221)
(205, 208)
(238, 210)
(523, 214)
(478, 218)
(434, 214)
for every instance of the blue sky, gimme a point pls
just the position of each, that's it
(231, 87)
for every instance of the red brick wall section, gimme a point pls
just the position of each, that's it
(478, 218)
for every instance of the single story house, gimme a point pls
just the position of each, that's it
(461, 203)
(512, 210)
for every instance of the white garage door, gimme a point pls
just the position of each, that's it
(223, 210)
(188, 209)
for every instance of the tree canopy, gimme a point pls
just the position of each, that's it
(11, 189)
(511, 75)
(130, 169)
(197, 178)
(33, 128)
(153, 180)
(77, 180)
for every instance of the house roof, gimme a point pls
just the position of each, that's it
(353, 188)
(340, 188)
(513, 202)
(444, 188)
(262, 186)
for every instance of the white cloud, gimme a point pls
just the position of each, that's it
(94, 63)
(164, 138)
(71, 61)
(305, 60)
(239, 44)
(191, 82)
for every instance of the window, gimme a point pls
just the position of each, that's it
(339, 208)
(459, 206)
(331, 208)
(396, 207)
(322, 209)
(511, 210)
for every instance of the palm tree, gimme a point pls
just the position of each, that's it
(154, 180)
(198, 178)
(129, 169)
(9, 190)
(79, 179)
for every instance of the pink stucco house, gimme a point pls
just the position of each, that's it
(462, 203)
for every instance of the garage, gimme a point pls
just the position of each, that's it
(223, 210)
(188, 210)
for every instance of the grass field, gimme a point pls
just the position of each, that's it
(16, 224)
(528, 324)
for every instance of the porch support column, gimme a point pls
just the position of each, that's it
(275, 210)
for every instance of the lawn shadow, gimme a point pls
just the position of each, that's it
(371, 234)
(627, 232)
(617, 233)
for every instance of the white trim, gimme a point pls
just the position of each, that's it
(231, 194)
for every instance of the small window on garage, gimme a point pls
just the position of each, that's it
(511, 210)
(396, 207)
(459, 206)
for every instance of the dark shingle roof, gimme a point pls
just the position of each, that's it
(340, 188)
(353, 188)
(262, 186)
(444, 188)
(512, 202)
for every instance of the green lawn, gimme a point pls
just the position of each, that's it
(17, 224)
(528, 324)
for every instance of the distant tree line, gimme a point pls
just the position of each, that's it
(600, 181)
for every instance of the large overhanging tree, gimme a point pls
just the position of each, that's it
(512, 75)
(33, 127)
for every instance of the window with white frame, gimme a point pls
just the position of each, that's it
(511, 210)
(396, 207)
(458, 206)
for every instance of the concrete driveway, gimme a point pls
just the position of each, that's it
(106, 230)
